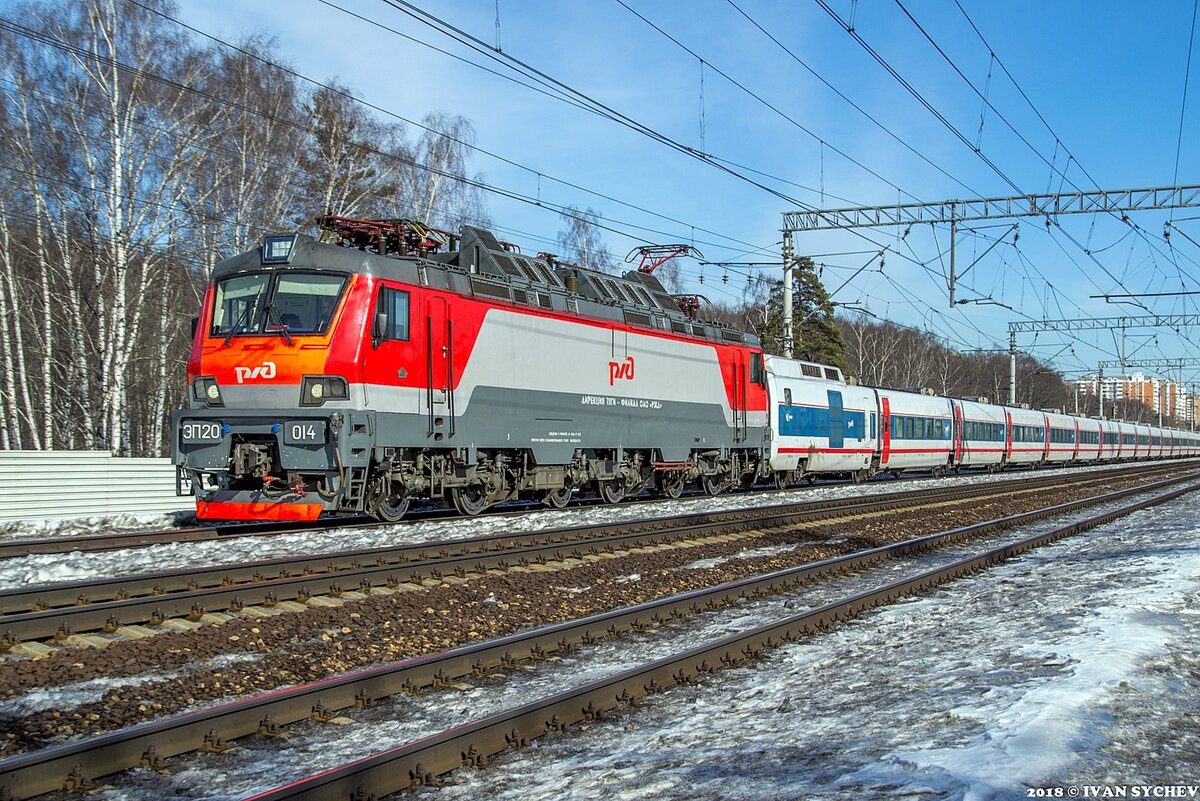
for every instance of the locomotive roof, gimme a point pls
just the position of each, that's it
(483, 268)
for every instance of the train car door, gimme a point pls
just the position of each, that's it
(957, 432)
(885, 427)
(741, 424)
(837, 419)
(1045, 437)
(394, 352)
(439, 364)
(1008, 437)
(1075, 450)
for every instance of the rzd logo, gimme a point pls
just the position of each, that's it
(264, 370)
(620, 370)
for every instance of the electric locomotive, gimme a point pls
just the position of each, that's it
(398, 363)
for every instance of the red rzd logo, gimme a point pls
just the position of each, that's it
(265, 370)
(620, 370)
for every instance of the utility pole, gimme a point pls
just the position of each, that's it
(1100, 390)
(788, 338)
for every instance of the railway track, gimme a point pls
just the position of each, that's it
(141, 539)
(120, 605)
(421, 762)
(72, 765)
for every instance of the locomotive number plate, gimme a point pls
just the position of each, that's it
(304, 432)
(198, 431)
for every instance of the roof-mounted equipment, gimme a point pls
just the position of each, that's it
(655, 256)
(391, 237)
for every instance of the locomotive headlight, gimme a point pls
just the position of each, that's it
(316, 389)
(206, 390)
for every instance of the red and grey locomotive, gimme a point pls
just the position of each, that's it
(358, 376)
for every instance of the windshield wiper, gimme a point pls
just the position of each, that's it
(243, 318)
(282, 326)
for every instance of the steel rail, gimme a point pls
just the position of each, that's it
(57, 610)
(422, 761)
(139, 539)
(54, 767)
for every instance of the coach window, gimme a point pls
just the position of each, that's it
(787, 397)
(391, 315)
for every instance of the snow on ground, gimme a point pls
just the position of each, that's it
(74, 566)
(11, 531)
(1045, 671)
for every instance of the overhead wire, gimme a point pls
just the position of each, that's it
(394, 115)
(447, 29)
(1058, 140)
(762, 100)
(875, 121)
(407, 161)
(958, 134)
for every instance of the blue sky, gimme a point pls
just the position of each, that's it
(1106, 78)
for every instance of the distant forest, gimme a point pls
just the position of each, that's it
(135, 155)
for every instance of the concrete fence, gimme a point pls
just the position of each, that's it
(57, 485)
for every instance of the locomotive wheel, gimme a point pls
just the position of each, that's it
(388, 507)
(392, 508)
(470, 500)
(557, 499)
(611, 491)
(712, 485)
(670, 485)
(781, 479)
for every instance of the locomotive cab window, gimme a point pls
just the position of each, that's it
(304, 302)
(284, 303)
(391, 315)
(239, 304)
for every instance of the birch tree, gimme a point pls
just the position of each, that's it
(352, 162)
(439, 190)
(253, 172)
(581, 241)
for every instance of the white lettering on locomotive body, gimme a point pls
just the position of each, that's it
(620, 370)
(304, 431)
(265, 370)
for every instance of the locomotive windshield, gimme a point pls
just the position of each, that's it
(280, 303)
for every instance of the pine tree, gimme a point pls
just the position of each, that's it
(816, 335)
